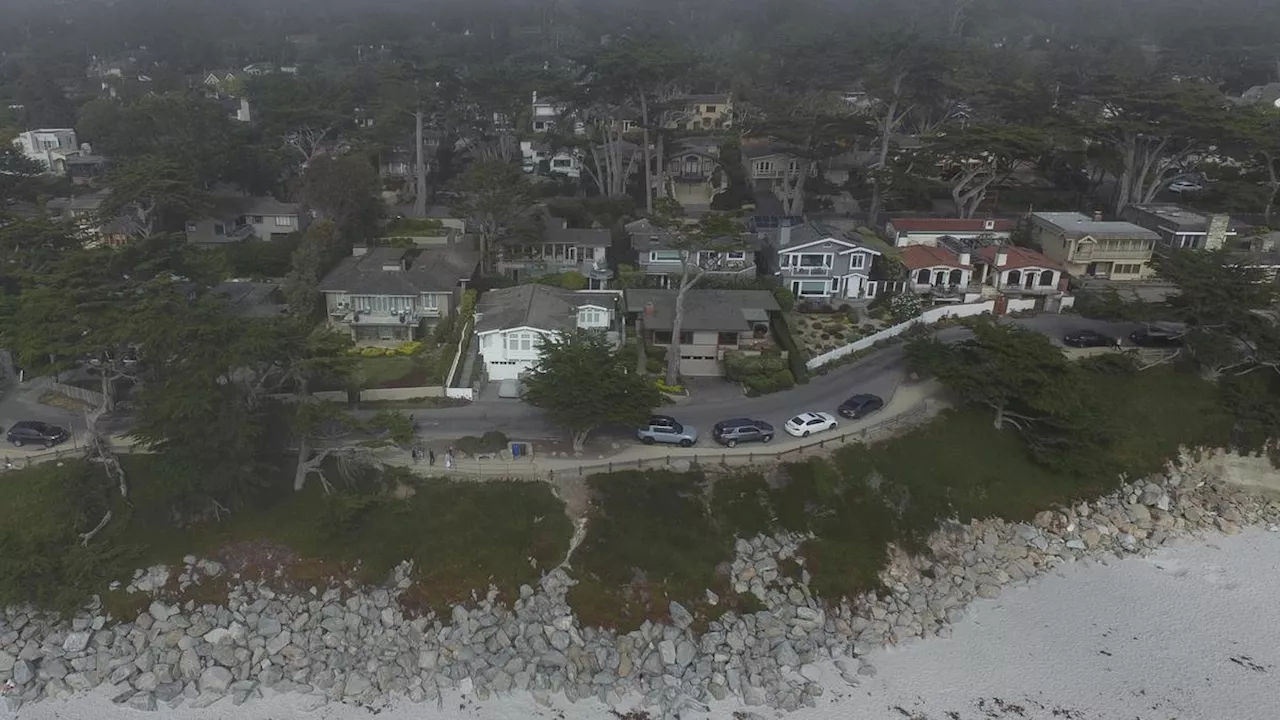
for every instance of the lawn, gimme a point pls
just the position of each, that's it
(461, 536)
(663, 528)
(422, 369)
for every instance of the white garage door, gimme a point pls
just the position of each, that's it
(698, 365)
(508, 370)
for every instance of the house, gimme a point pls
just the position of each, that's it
(1180, 228)
(545, 113)
(702, 112)
(771, 170)
(558, 162)
(927, 231)
(692, 174)
(49, 146)
(259, 69)
(236, 108)
(1093, 248)
(386, 295)
(251, 299)
(220, 81)
(1265, 95)
(512, 323)
(239, 217)
(561, 249)
(714, 322)
(84, 211)
(86, 168)
(967, 271)
(658, 255)
(814, 261)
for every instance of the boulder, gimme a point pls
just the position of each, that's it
(77, 642)
(681, 617)
(215, 680)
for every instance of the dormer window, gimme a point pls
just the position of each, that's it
(989, 225)
(591, 317)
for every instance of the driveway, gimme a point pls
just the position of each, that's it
(880, 373)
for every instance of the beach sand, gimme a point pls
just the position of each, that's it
(1190, 633)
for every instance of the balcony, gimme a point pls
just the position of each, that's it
(807, 271)
(1136, 255)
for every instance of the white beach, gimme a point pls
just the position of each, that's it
(1191, 633)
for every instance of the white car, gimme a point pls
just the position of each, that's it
(805, 424)
(1185, 186)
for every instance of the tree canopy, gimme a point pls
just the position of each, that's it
(583, 383)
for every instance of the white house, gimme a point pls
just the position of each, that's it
(512, 323)
(50, 147)
(560, 162)
(927, 231)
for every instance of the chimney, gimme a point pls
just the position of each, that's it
(648, 310)
(1002, 256)
(1217, 232)
(1097, 216)
(964, 258)
(784, 234)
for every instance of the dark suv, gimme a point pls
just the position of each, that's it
(732, 432)
(31, 432)
(1150, 337)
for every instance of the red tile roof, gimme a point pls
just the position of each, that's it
(1019, 258)
(945, 225)
(917, 257)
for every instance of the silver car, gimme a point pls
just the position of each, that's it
(665, 429)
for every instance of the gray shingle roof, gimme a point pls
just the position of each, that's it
(433, 270)
(643, 235)
(537, 306)
(557, 231)
(713, 310)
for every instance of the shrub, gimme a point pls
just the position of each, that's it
(738, 366)
(765, 384)
(443, 330)
(672, 389)
(795, 356)
(851, 314)
(492, 441)
(371, 352)
(569, 280)
(656, 352)
(413, 347)
(786, 300)
(654, 365)
(836, 327)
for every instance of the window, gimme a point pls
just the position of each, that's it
(430, 302)
(522, 341)
(191, 227)
(1046, 278)
(539, 126)
(736, 256)
(219, 229)
(764, 166)
(810, 288)
(257, 219)
(591, 317)
(283, 221)
(686, 337)
(711, 108)
(661, 337)
(664, 256)
(922, 276)
(1126, 269)
(858, 261)
(562, 162)
(727, 338)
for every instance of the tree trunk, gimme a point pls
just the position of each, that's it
(420, 170)
(882, 158)
(998, 422)
(688, 278)
(580, 439)
(660, 171)
(1273, 183)
(648, 155)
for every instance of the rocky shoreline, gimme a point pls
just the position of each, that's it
(354, 645)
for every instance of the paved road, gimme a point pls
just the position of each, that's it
(879, 373)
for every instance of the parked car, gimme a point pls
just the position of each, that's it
(1154, 338)
(860, 406)
(1184, 186)
(732, 432)
(665, 429)
(32, 432)
(806, 424)
(1088, 339)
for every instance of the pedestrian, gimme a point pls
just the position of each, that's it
(431, 457)
(448, 459)
(8, 464)
(413, 452)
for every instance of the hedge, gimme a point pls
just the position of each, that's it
(795, 356)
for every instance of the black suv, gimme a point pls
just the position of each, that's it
(732, 432)
(31, 432)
